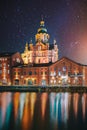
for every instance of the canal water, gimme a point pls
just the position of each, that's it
(43, 111)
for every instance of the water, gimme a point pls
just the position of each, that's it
(43, 111)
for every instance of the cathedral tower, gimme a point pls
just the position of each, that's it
(42, 35)
(41, 52)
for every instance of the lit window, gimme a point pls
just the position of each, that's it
(17, 60)
(4, 71)
(8, 71)
(39, 48)
(54, 81)
(4, 64)
(51, 81)
(54, 73)
(59, 73)
(64, 68)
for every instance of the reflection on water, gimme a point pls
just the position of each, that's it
(43, 111)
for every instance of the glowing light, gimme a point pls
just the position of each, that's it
(43, 106)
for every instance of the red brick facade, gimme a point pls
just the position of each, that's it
(64, 72)
(29, 75)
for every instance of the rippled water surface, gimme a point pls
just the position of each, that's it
(43, 111)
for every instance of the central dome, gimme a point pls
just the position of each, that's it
(42, 35)
(42, 29)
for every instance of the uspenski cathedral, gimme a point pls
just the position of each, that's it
(39, 65)
(42, 51)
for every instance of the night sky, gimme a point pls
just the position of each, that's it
(65, 20)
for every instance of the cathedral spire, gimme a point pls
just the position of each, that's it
(26, 47)
(42, 22)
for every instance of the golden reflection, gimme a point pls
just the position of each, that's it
(65, 107)
(44, 97)
(5, 99)
(75, 103)
(27, 120)
(3, 106)
(16, 104)
(84, 105)
(21, 104)
(32, 100)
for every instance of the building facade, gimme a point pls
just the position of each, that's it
(64, 72)
(67, 72)
(7, 60)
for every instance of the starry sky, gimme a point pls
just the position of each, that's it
(65, 20)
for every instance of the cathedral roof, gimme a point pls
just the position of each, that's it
(42, 28)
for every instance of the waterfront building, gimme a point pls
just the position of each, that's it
(67, 72)
(39, 65)
(64, 72)
(7, 60)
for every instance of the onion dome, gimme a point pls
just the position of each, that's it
(42, 28)
(42, 35)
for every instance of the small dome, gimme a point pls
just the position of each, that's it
(42, 23)
(42, 29)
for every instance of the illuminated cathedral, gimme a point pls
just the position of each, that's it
(42, 51)
(39, 65)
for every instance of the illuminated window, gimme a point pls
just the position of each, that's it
(39, 48)
(4, 70)
(54, 73)
(64, 68)
(4, 64)
(8, 71)
(59, 73)
(8, 65)
(17, 60)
